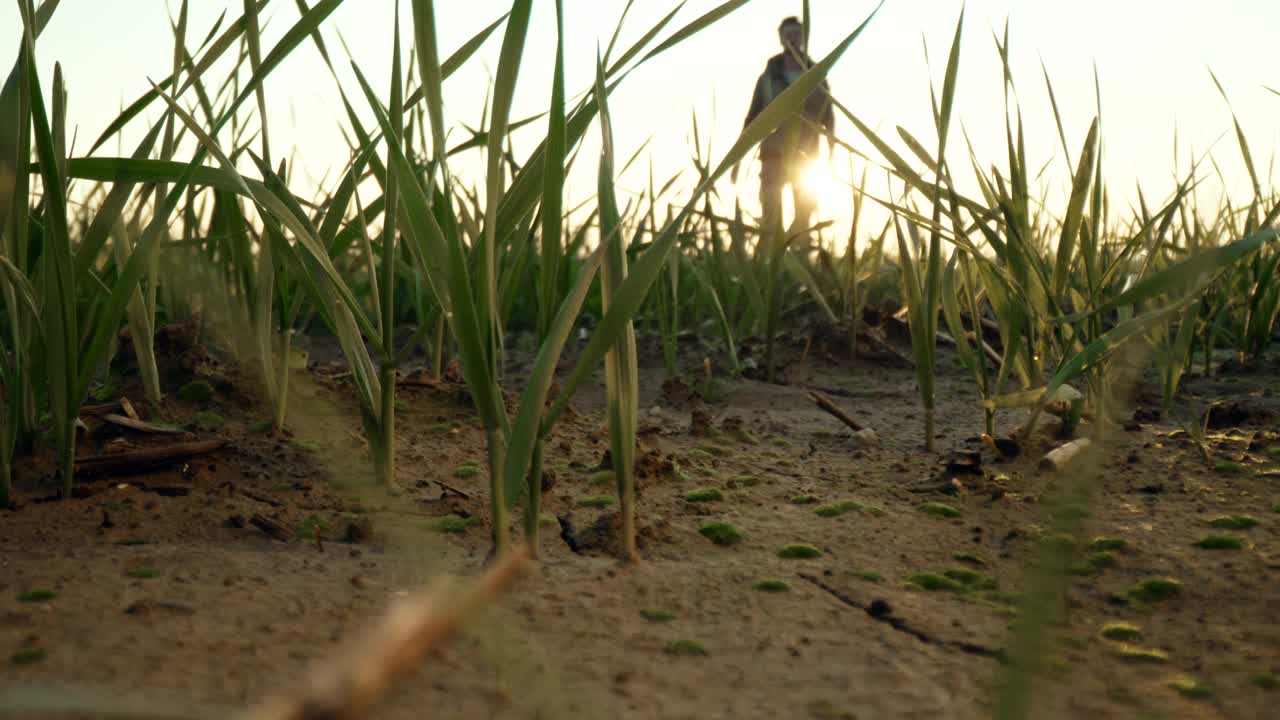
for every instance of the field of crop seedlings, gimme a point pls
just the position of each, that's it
(417, 445)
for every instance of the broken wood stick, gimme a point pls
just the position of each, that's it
(825, 403)
(129, 409)
(1060, 457)
(145, 459)
(100, 410)
(880, 345)
(271, 527)
(449, 488)
(861, 433)
(141, 425)
(356, 680)
(261, 498)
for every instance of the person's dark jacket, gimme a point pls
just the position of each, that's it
(818, 108)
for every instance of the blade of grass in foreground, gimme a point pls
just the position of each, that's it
(621, 371)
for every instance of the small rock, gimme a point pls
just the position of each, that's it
(866, 437)
(360, 529)
(879, 608)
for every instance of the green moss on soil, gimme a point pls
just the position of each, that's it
(869, 576)
(771, 585)
(1094, 563)
(715, 450)
(463, 472)
(721, 533)
(1265, 680)
(38, 595)
(196, 391)
(657, 615)
(1153, 589)
(1227, 467)
(968, 557)
(1135, 654)
(799, 551)
(837, 509)
(1058, 542)
(604, 477)
(547, 520)
(1233, 522)
(700, 454)
(596, 501)
(744, 481)
(805, 500)
(307, 528)
(934, 582)
(1107, 544)
(938, 509)
(1121, 631)
(27, 656)
(704, 495)
(452, 523)
(207, 421)
(1190, 688)
(685, 648)
(1220, 542)
(964, 576)
(143, 573)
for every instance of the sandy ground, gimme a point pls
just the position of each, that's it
(181, 596)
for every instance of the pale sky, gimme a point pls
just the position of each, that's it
(1152, 57)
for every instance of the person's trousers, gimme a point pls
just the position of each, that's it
(776, 174)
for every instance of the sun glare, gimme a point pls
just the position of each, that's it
(822, 185)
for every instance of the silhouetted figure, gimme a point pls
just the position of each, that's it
(783, 159)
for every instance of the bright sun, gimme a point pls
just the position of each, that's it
(817, 179)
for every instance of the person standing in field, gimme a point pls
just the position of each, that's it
(786, 153)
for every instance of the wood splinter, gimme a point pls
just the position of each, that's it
(1060, 457)
(146, 458)
(860, 431)
(350, 686)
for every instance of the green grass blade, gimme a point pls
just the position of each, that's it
(1075, 211)
(706, 20)
(211, 56)
(526, 429)
(553, 184)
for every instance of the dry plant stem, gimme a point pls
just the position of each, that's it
(825, 403)
(140, 425)
(349, 688)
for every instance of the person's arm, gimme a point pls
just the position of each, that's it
(829, 116)
(758, 103)
(758, 100)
